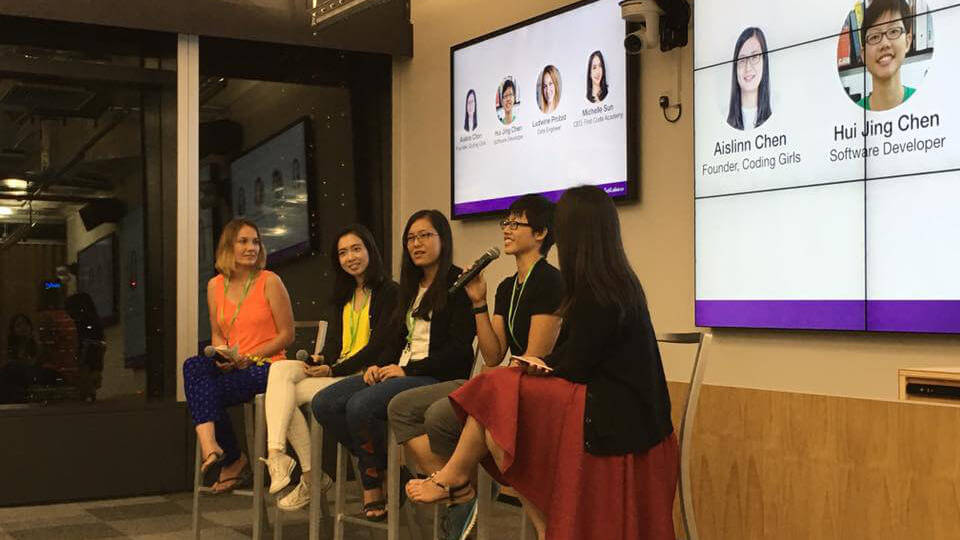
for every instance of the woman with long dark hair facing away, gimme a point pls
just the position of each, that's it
(584, 434)
(251, 322)
(596, 78)
(750, 81)
(470, 114)
(431, 341)
(364, 300)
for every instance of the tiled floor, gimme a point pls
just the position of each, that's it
(169, 517)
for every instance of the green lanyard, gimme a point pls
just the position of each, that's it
(243, 296)
(512, 312)
(355, 317)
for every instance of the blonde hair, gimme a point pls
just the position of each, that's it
(554, 74)
(226, 262)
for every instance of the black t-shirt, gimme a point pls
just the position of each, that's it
(541, 296)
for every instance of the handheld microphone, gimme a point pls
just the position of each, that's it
(209, 351)
(304, 356)
(478, 265)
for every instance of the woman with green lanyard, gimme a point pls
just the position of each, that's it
(364, 300)
(430, 342)
(524, 322)
(251, 317)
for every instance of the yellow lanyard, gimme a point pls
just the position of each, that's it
(243, 296)
(355, 317)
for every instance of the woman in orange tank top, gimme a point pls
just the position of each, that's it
(252, 324)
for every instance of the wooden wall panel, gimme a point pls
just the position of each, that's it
(798, 466)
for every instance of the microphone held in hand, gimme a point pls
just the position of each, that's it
(303, 356)
(209, 351)
(478, 266)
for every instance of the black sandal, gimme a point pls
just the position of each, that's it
(455, 494)
(374, 506)
(209, 472)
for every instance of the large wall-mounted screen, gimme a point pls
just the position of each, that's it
(827, 164)
(540, 107)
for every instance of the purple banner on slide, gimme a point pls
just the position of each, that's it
(795, 314)
(614, 189)
(933, 316)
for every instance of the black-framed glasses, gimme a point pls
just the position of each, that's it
(512, 224)
(422, 236)
(752, 60)
(893, 34)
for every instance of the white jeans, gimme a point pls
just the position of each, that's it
(288, 387)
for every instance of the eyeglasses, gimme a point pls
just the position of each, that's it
(511, 225)
(422, 236)
(892, 34)
(752, 61)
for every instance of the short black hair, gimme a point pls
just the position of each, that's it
(877, 8)
(539, 213)
(503, 88)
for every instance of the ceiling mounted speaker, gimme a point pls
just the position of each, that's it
(102, 211)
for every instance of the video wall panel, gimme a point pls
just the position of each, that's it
(827, 165)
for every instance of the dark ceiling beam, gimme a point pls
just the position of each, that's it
(384, 29)
(57, 70)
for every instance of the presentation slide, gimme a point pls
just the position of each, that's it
(827, 165)
(540, 108)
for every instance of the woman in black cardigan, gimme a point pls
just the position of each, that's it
(364, 300)
(431, 341)
(584, 435)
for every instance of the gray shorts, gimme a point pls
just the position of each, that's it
(427, 411)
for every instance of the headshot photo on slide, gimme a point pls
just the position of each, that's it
(507, 101)
(470, 111)
(749, 81)
(548, 89)
(596, 78)
(884, 52)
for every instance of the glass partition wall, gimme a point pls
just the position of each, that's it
(85, 154)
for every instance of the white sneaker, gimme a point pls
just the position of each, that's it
(296, 499)
(280, 466)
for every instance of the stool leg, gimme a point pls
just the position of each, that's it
(317, 498)
(393, 487)
(196, 493)
(259, 440)
(340, 492)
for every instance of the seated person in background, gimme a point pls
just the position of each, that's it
(585, 434)
(431, 341)
(525, 322)
(250, 313)
(364, 300)
(19, 369)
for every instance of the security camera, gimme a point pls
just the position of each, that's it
(647, 14)
(661, 23)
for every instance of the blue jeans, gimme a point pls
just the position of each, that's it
(356, 414)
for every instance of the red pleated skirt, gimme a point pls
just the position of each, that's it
(538, 421)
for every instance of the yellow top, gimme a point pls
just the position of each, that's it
(356, 328)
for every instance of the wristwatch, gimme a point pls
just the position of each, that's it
(479, 310)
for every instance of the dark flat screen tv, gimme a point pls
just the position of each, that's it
(269, 186)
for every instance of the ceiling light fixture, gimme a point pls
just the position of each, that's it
(18, 184)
